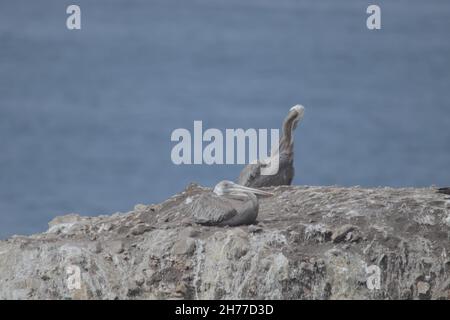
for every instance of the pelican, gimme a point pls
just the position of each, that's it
(229, 204)
(251, 175)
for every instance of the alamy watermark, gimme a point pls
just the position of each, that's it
(73, 21)
(373, 281)
(73, 277)
(373, 22)
(228, 148)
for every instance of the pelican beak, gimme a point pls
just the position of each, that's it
(242, 189)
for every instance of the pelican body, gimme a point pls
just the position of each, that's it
(229, 204)
(251, 175)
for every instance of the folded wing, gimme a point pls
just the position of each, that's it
(210, 209)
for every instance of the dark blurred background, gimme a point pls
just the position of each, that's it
(86, 116)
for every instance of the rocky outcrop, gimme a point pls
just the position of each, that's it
(309, 243)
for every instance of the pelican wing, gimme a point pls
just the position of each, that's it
(210, 209)
(249, 174)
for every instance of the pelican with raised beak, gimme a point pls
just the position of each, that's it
(251, 175)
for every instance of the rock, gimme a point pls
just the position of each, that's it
(140, 208)
(309, 243)
(184, 246)
(343, 233)
(423, 287)
(139, 280)
(189, 232)
(64, 224)
(254, 228)
(140, 229)
(69, 218)
(447, 220)
(181, 288)
(117, 246)
(317, 232)
(105, 227)
(96, 247)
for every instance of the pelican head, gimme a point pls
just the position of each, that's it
(224, 188)
(289, 125)
(296, 112)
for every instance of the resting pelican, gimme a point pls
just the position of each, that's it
(251, 175)
(228, 205)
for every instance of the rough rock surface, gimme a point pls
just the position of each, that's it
(309, 243)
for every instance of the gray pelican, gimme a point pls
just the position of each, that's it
(228, 205)
(251, 175)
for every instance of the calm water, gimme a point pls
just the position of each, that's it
(86, 116)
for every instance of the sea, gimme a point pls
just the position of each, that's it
(86, 116)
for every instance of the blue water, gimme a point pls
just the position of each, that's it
(86, 116)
